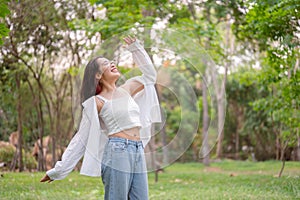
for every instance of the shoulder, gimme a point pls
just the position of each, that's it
(99, 103)
(132, 87)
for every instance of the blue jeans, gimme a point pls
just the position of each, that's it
(123, 170)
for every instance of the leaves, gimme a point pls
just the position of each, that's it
(270, 21)
(3, 12)
(4, 8)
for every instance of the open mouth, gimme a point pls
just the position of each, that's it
(114, 69)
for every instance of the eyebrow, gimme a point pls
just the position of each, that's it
(106, 62)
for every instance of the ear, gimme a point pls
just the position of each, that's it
(98, 76)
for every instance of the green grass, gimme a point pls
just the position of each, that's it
(222, 180)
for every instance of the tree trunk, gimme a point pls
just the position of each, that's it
(221, 91)
(277, 146)
(282, 168)
(237, 144)
(220, 126)
(57, 133)
(282, 158)
(41, 158)
(151, 147)
(20, 133)
(240, 120)
(164, 144)
(297, 151)
(163, 133)
(14, 161)
(36, 102)
(205, 120)
(205, 145)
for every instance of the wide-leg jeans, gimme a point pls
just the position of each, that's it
(123, 170)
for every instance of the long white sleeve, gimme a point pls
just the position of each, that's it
(142, 59)
(146, 99)
(73, 153)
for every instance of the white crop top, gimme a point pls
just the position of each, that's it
(119, 114)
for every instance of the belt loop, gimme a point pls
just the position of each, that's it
(126, 142)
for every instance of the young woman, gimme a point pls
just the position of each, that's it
(114, 128)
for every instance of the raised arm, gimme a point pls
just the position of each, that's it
(143, 61)
(147, 100)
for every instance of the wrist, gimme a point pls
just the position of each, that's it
(51, 174)
(134, 45)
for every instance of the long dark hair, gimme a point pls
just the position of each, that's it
(90, 85)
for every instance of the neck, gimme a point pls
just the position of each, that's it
(108, 88)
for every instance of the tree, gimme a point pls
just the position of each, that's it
(48, 49)
(204, 26)
(272, 27)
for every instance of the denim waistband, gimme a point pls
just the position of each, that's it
(126, 141)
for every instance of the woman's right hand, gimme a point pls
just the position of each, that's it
(46, 178)
(129, 40)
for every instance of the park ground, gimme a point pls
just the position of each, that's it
(179, 181)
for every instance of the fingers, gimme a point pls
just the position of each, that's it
(46, 178)
(129, 40)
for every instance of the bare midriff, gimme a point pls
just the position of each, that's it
(130, 134)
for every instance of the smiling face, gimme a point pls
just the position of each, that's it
(108, 70)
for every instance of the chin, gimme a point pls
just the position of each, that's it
(116, 76)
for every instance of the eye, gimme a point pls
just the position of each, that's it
(106, 63)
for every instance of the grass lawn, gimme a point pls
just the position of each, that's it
(222, 180)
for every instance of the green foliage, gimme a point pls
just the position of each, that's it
(253, 125)
(267, 105)
(4, 8)
(8, 121)
(7, 154)
(29, 161)
(121, 16)
(3, 12)
(73, 71)
(272, 21)
(273, 26)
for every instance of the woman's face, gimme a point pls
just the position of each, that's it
(108, 69)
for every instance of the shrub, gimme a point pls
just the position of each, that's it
(7, 155)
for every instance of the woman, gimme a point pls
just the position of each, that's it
(115, 127)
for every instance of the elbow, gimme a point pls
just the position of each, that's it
(154, 76)
(151, 78)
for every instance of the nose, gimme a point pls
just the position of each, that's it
(112, 63)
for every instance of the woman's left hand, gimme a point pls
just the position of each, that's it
(46, 178)
(129, 40)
